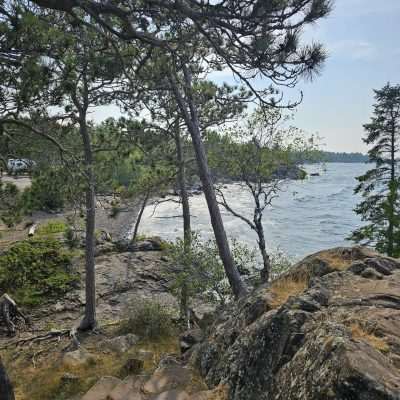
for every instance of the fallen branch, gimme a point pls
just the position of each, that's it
(9, 312)
(55, 334)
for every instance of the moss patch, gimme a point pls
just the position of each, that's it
(52, 227)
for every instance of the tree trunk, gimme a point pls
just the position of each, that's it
(139, 217)
(6, 390)
(392, 193)
(89, 320)
(266, 271)
(187, 230)
(192, 122)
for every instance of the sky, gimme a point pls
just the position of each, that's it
(362, 39)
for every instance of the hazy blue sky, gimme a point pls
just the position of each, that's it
(363, 41)
(362, 38)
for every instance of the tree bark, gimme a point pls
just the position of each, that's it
(187, 230)
(266, 271)
(6, 389)
(89, 320)
(139, 217)
(392, 191)
(192, 122)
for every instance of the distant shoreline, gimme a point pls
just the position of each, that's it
(343, 157)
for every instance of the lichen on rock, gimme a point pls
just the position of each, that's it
(338, 337)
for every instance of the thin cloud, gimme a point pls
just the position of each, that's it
(355, 49)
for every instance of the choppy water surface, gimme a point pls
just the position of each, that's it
(308, 215)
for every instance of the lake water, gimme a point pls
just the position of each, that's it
(308, 215)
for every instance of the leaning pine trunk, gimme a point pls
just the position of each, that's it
(139, 217)
(6, 390)
(192, 122)
(187, 230)
(266, 271)
(89, 321)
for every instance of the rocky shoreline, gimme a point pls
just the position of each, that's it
(336, 337)
(328, 329)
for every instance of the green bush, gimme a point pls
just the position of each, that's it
(200, 271)
(149, 320)
(37, 270)
(71, 237)
(11, 209)
(280, 263)
(46, 192)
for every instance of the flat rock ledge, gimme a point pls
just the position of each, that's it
(329, 329)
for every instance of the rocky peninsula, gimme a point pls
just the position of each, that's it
(328, 329)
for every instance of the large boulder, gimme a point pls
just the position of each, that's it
(326, 330)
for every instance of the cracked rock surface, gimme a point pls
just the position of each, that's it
(337, 338)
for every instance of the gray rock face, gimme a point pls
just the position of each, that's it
(337, 339)
(122, 344)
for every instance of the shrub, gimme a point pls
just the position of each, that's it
(10, 204)
(280, 263)
(149, 320)
(34, 271)
(199, 269)
(71, 237)
(46, 192)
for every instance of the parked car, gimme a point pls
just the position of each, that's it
(15, 165)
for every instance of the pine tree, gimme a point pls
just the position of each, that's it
(379, 187)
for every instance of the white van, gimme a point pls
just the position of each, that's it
(19, 165)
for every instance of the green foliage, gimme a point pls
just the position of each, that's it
(379, 187)
(35, 271)
(71, 237)
(280, 263)
(52, 227)
(199, 270)
(10, 204)
(47, 191)
(330, 156)
(262, 150)
(149, 320)
(51, 189)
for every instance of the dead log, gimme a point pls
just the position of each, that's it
(32, 230)
(10, 313)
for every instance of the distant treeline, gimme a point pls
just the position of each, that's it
(330, 156)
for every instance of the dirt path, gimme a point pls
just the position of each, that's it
(21, 182)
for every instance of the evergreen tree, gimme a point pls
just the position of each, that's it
(253, 39)
(379, 187)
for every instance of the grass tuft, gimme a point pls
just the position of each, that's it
(285, 287)
(361, 333)
(336, 261)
